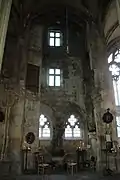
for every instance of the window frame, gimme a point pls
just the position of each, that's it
(42, 128)
(54, 38)
(73, 128)
(118, 125)
(54, 75)
(113, 63)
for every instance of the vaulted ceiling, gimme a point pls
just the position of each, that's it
(112, 27)
(80, 11)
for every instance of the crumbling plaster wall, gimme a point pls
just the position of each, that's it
(32, 101)
(25, 110)
(2, 105)
(71, 92)
(72, 84)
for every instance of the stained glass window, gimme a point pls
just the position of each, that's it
(72, 129)
(44, 128)
(114, 67)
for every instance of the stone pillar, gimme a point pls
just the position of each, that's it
(16, 134)
(35, 59)
(23, 53)
(0, 3)
(103, 94)
(118, 10)
(5, 8)
(93, 143)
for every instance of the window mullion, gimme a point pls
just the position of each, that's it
(72, 132)
(54, 79)
(42, 132)
(54, 40)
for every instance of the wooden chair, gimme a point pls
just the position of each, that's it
(42, 165)
(71, 163)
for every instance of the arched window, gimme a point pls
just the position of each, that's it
(114, 67)
(44, 128)
(72, 129)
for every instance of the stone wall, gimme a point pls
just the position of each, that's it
(31, 121)
(102, 94)
(85, 91)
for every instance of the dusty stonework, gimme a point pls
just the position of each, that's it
(55, 64)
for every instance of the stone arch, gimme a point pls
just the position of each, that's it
(72, 107)
(47, 111)
(113, 46)
(79, 113)
(80, 11)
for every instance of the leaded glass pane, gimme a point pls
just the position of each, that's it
(57, 81)
(57, 34)
(51, 80)
(57, 42)
(68, 132)
(52, 34)
(57, 71)
(114, 69)
(44, 127)
(118, 131)
(52, 42)
(51, 71)
(118, 120)
(76, 131)
(72, 120)
(46, 131)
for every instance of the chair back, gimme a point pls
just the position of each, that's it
(47, 158)
(70, 157)
(40, 159)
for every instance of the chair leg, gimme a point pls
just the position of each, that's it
(67, 169)
(38, 171)
(72, 168)
(76, 169)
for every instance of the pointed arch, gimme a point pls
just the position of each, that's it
(44, 128)
(72, 129)
(114, 68)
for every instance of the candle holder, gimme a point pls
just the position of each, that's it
(26, 149)
(108, 118)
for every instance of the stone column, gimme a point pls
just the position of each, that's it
(0, 3)
(93, 143)
(5, 8)
(16, 133)
(103, 94)
(118, 10)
